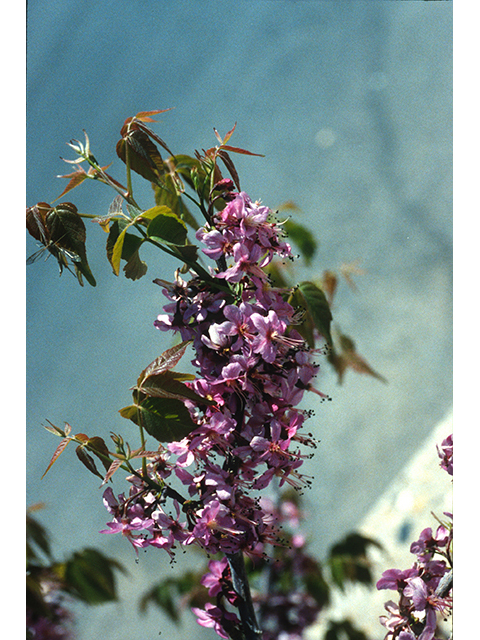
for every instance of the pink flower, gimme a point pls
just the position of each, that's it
(445, 453)
(215, 618)
(269, 329)
(214, 579)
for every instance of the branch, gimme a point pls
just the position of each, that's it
(242, 589)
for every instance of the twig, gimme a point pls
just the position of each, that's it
(242, 589)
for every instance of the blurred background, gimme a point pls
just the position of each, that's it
(350, 103)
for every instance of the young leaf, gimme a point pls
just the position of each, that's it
(227, 147)
(146, 116)
(166, 361)
(58, 451)
(116, 464)
(86, 459)
(76, 178)
(348, 358)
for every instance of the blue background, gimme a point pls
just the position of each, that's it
(350, 102)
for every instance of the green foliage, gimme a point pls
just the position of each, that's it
(165, 226)
(166, 595)
(312, 300)
(37, 540)
(158, 398)
(89, 576)
(165, 419)
(161, 395)
(348, 560)
(62, 232)
(343, 630)
(303, 238)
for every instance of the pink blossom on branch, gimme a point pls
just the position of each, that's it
(255, 367)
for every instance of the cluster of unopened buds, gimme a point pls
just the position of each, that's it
(253, 367)
(425, 590)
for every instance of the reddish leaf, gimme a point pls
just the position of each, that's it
(144, 157)
(329, 282)
(140, 453)
(87, 460)
(242, 151)
(76, 178)
(348, 269)
(145, 116)
(164, 362)
(36, 222)
(116, 464)
(100, 449)
(229, 134)
(350, 359)
(57, 453)
(230, 166)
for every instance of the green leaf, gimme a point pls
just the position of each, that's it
(165, 594)
(306, 327)
(303, 238)
(90, 576)
(167, 195)
(67, 231)
(165, 226)
(169, 385)
(348, 560)
(343, 630)
(165, 419)
(191, 170)
(124, 245)
(162, 595)
(135, 268)
(117, 251)
(36, 536)
(314, 301)
(316, 586)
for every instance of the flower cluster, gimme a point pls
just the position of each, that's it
(283, 603)
(296, 591)
(54, 623)
(425, 589)
(253, 367)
